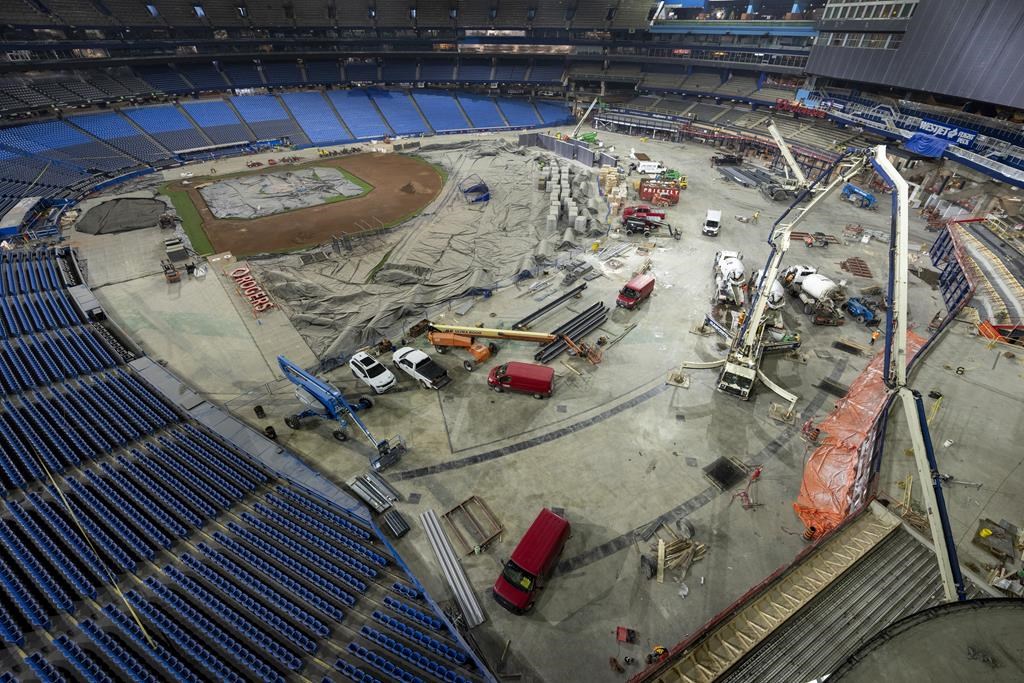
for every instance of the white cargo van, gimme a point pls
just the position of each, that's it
(647, 167)
(712, 223)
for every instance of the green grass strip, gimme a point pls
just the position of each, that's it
(190, 220)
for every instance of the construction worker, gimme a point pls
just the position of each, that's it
(755, 216)
(875, 334)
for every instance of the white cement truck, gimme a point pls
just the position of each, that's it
(729, 275)
(821, 296)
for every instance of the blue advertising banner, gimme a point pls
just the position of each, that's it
(963, 137)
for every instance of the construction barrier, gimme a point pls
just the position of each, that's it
(837, 474)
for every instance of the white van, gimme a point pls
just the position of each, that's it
(712, 223)
(647, 167)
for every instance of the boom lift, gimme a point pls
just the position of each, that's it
(896, 380)
(791, 186)
(324, 400)
(442, 336)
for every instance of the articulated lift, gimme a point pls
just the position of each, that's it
(462, 336)
(323, 400)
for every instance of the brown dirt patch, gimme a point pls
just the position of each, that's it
(389, 202)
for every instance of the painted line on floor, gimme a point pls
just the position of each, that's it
(698, 501)
(530, 443)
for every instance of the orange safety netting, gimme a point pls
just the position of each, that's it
(831, 473)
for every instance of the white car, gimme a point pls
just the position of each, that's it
(420, 367)
(371, 372)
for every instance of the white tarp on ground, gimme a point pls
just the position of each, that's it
(453, 249)
(264, 194)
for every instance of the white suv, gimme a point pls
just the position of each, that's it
(370, 371)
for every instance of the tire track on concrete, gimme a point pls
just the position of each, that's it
(698, 501)
(519, 446)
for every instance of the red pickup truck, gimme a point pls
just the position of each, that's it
(642, 211)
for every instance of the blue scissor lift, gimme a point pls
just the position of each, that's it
(324, 400)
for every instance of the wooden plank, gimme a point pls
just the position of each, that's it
(661, 561)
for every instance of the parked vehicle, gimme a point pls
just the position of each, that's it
(820, 295)
(726, 160)
(730, 275)
(642, 211)
(647, 168)
(531, 562)
(636, 291)
(861, 310)
(862, 198)
(712, 224)
(642, 225)
(526, 378)
(659, 192)
(371, 372)
(420, 367)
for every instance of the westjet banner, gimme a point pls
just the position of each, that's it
(963, 137)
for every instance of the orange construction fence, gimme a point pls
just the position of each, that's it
(835, 476)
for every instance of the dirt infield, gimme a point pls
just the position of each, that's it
(402, 187)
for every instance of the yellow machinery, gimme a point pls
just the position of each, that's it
(460, 336)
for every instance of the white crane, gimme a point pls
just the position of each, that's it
(787, 154)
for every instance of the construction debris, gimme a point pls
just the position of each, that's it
(855, 265)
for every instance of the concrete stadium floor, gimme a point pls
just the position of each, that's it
(616, 447)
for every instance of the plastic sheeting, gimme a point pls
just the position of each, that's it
(926, 145)
(264, 194)
(121, 215)
(452, 250)
(835, 476)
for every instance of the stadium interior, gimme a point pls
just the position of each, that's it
(225, 223)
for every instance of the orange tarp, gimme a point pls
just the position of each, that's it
(832, 470)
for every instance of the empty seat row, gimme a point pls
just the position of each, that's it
(84, 663)
(322, 512)
(420, 638)
(135, 669)
(399, 110)
(392, 670)
(179, 670)
(294, 513)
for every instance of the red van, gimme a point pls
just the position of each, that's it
(531, 562)
(635, 291)
(527, 378)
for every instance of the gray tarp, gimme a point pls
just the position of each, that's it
(264, 194)
(121, 215)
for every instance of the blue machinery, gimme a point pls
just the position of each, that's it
(475, 190)
(314, 392)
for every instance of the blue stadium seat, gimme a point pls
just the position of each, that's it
(16, 591)
(141, 499)
(323, 72)
(474, 70)
(328, 531)
(510, 72)
(519, 112)
(203, 77)
(547, 72)
(44, 670)
(437, 71)
(62, 142)
(167, 125)
(268, 119)
(283, 73)
(222, 465)
(84, 663)
(244, 75)
(359, 114)
(164, 79)
(134, 669)
(553, 113)
(298, 531)
(442, 111)
(178, 670)
(399, 111)
(117, 132)
(317, 118)
(56, 524)
(482, 111)
(173, 505)
(319, 510)
(39, 574)
(218, 121)
(182, 490)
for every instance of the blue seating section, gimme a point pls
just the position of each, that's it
(399, 111)
(203, 77)
(268, 119)
(324, 73)
(519, 112)
(218, 121)
(437, 71)
(553, 112)
(119, 133)
(283, 73)
(482, 111)
(359, 114)
(317, 118)
(243, 75)
(168, 126)
(475, 70)
(363, 72)
(547, 72)
(103, 477)
(165, 79)
(398, 71)
(442, 110)
(510, 72)
(60, 141)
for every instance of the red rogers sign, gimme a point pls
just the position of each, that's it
(250, 290)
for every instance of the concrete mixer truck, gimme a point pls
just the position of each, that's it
(821, 296)
(730, 275)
